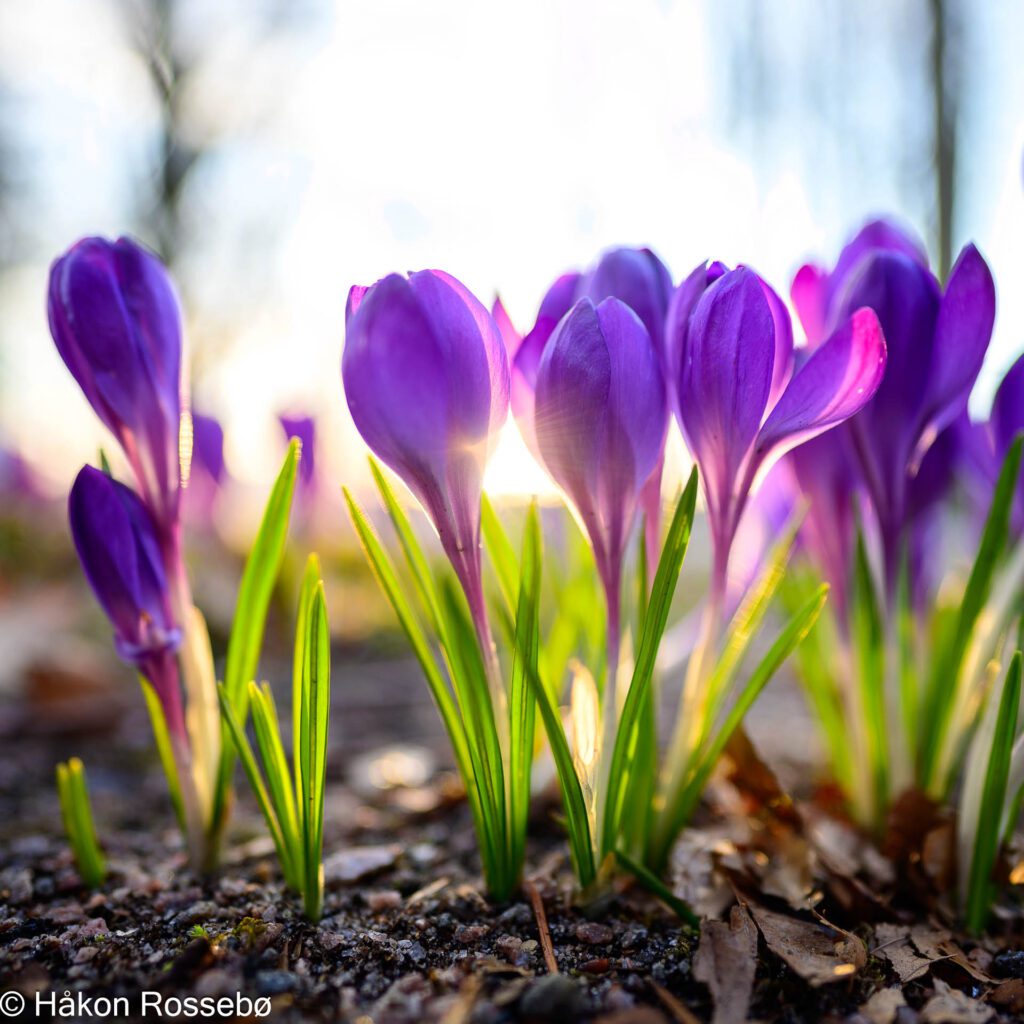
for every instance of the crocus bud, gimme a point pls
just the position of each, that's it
(426, 379)
(724, 395)
(600, 418)
(118, 547)
(304, 428)
(114, 318)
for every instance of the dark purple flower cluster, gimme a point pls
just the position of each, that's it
(612, 354)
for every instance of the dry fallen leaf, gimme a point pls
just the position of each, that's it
(1009, 995)
(816, 950)
(883, 1006)
(938, 944)
(951, 1006)
(726, 962)
(893, 943)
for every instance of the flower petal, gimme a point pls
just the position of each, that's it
(881, 235)
(962, 334)
(510, 337)
(474, 354)
(835, 382)
(782, 366)
(637, 408)
(905, 297)
(572, 390)
(809, 295)
(1008, 407)
(395, 381)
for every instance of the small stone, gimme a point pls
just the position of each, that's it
(599, 966)
(1009, 964)
(197, 913)
(594, 934)
(328, 939)
(357, 862)
(85, 954)
(555, 996)
(218, 982)
(21, 887)
(273, 983)
(469, 933)
(509, 947)
(383, 899)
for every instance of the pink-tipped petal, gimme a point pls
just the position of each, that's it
(836, 382)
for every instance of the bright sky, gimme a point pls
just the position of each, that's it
(504, 143)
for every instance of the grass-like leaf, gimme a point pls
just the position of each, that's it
(993, 795)
(315, 712)
(165, 751)
(868, 635)
(581, 846)
(78, 822)
(293, 803)
(521, 706)
(246, 640)
(678, 813)
(655, 619)
(501, 551)
(654, 885)
(946, 679)
(459, 712)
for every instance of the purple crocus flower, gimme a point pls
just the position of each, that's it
(119, 549)
(733, 423)
(936, 342)
(634, 276)
(427, 382)
(304, 428)
(600, 418)
(115, 320)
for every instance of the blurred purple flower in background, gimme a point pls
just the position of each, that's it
(427, 382)
(208, 447)
(599, 420)
(303, 428)
(114, 317)
(120, 552)
(18, 480)
(207, 469)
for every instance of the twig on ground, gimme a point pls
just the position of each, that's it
(539, 913)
